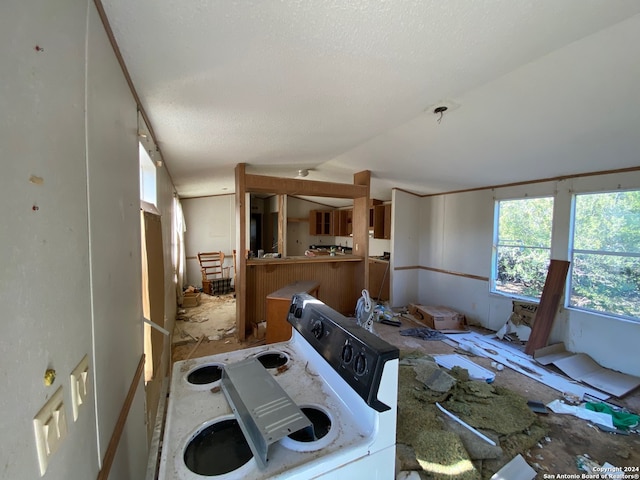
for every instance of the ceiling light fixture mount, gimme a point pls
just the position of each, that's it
(440, 110)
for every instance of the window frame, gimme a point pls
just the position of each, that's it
(147, 171)
(493, 280)
(572, 251)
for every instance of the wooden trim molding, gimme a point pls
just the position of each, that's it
(295, 187)
(447, 272)
(250, 183)
(525, 182)
(110, 454)
(540, 180)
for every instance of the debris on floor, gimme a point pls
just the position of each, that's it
(597, 418)
(586, 464)
(516, 469)
(440, 445)
(488, 346)
(520, 321)
(600, 414)
(583, 368)
(476, 372)
(428, 372)
(537, 407)
(425, 333)
(214, 318)
(621, 419)
(465, 425)
(191, 299)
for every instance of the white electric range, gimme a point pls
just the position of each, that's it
(321, 405)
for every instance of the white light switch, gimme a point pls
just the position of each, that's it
(50, 425)
(79, 386)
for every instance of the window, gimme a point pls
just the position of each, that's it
(522, 246)
(605, 255)
(147, 176)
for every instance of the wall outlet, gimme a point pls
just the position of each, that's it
(79, 386)
(50, 425)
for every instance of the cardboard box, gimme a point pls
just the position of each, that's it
(523, 313)
(438, 318)
(191, 299)
(259, 330)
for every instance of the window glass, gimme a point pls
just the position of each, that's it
(522, 246)
(147, 177)
(605, 264)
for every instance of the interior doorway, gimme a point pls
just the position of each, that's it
(255, 233)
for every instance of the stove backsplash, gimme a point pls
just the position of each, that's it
(355, 354)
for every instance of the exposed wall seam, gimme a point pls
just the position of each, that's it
(90, 254)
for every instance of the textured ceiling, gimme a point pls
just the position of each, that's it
(535, 88)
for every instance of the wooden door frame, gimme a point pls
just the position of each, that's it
(250, 183)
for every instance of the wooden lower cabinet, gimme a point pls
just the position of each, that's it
(278, 302)
(341, 280)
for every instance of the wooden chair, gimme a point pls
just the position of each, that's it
(211, 267)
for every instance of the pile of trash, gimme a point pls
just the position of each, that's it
(450, 426)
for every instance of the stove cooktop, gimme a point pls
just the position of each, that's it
(341, 377)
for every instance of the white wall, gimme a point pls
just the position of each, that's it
(211, 227)
(456, 237)
(70, 241)
(114, 219)
(405, 248)
(45, 289)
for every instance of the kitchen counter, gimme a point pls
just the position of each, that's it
(340, 279)
(303, 259)
(378, 259)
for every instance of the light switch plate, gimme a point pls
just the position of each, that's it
(79, 386)
(50, 426)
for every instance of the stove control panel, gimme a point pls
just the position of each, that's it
(356, 354)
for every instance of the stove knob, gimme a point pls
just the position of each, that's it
(292, 308)
(298, 312)
(317, 329)
(347, 354)
(360, 365)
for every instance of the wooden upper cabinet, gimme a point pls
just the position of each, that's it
(340, 222)
(321, 222)
(343, 224)
(382, 221)
(337, 223)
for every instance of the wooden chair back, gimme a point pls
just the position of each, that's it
(211, 267)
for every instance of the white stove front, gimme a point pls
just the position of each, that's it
(360, 442)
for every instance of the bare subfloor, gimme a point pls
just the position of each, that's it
(206, 329)
(210, 329)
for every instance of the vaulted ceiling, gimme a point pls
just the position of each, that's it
(533, 88)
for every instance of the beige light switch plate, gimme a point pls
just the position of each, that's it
(50, 426)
